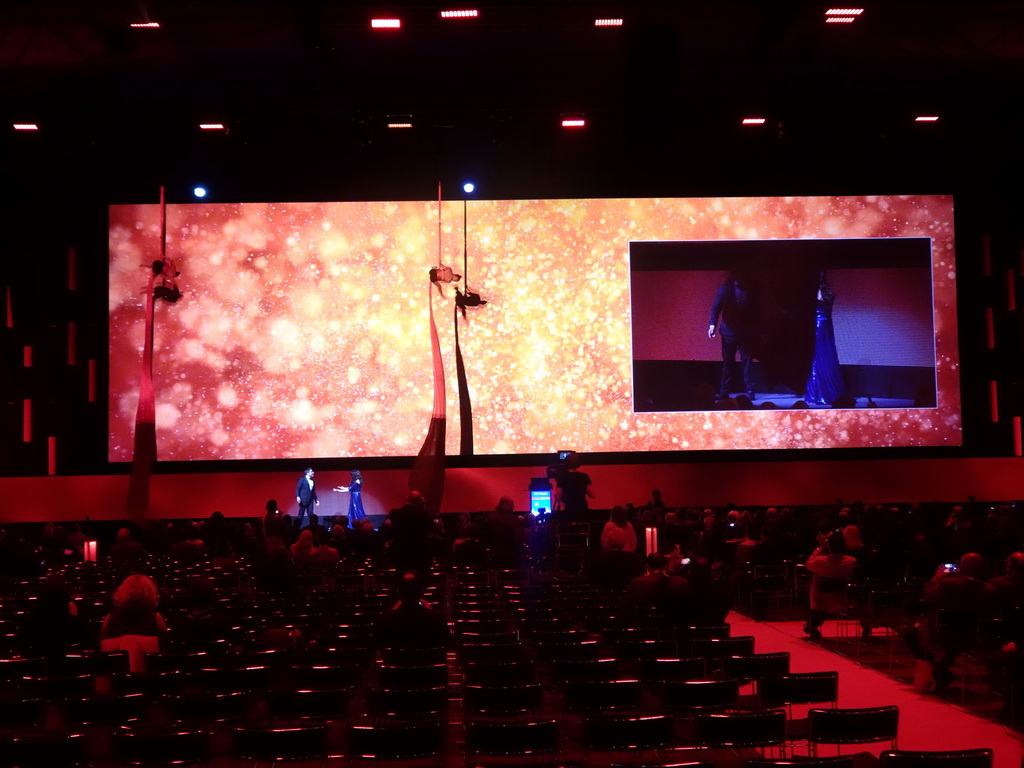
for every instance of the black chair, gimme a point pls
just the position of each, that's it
(714, 649)
(602, 695)
(967, 758)
(322, 704)
(426, 676)
(739, 730)
(512, 738)
(659, 671)
(396, 741)
(840, 761)
(576, 671)
(491, 653)
(685, 636)
(151, 747)
(798, 688)
(756, 666)
(486, 673)
(693, 696)
(204, 708)
(866, 725)
(607, 733)
(319, 677)
(107, 711)
(495, 700)
(413, 657)
(269, 744)
(43, 750)
(406, 703)
(18, 712)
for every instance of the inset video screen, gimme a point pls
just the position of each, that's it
(303, 329)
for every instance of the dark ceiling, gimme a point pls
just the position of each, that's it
(306, 88)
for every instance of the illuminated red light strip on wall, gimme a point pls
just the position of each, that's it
(385, 23)
(844, 11)
(145, 25)
(993, 402)
(26, 421)
(466, 14)
(754, 121)
(926, 119)
(573, 122)
(26, 127)
(92, 381)
(399, 125)
(840, 19)
(211, 126)
(51, 456)
(608, 22)
(26, 357)
(1016, 436)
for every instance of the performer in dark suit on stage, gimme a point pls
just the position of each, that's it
(731, 316)
(305, 494)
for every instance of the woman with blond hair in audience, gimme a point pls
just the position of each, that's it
(302, 550)
(134, 625)
(619, 521)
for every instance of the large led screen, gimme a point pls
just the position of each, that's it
(303, 330)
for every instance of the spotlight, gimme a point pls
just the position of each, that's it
(145, 25)
(753, 121)
(469, 187)
(466, 14)
(199, 192)
(574, 121)
(608, 22)
(211, 126)
(926, 119)
(385, 23)
(26, 127)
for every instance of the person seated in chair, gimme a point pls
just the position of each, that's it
(958, 598)
(828, 561)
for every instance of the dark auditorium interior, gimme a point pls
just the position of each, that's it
(631, 537)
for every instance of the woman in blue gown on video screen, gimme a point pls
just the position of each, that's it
(355, 497)
(825, 384)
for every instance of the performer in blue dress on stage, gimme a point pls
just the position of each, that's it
(355, 497)
(825, 384)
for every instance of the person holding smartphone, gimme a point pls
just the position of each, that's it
(959, 598)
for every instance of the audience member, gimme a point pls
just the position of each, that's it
(614, 567)
(134, 625)
(828, 562)
(619, 521)
(412, 622)
(52, 628)
(958, 599)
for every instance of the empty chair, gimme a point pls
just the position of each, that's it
(512, 738)
(659, 671)
(602, 695)
(413, 657)
(607, 733)
(586, 650)
(160, 746)
(43, 750)
(114, 710)
(575, 671)
(838, 761)
(396, 741)
(866, 725)
(715, 648)
(498, 700)
(692, 696)
(734, 730)
(318, 677)
(401, 702)
(492, 652)
(967, 758)
(484, 673)
(633, 649)
(202, 708)
(425, 676)
(799, 688)
(685, 636)
(269, 744)
(322, 704)
(756, 666)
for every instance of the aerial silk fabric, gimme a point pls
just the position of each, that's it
(427, 475)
